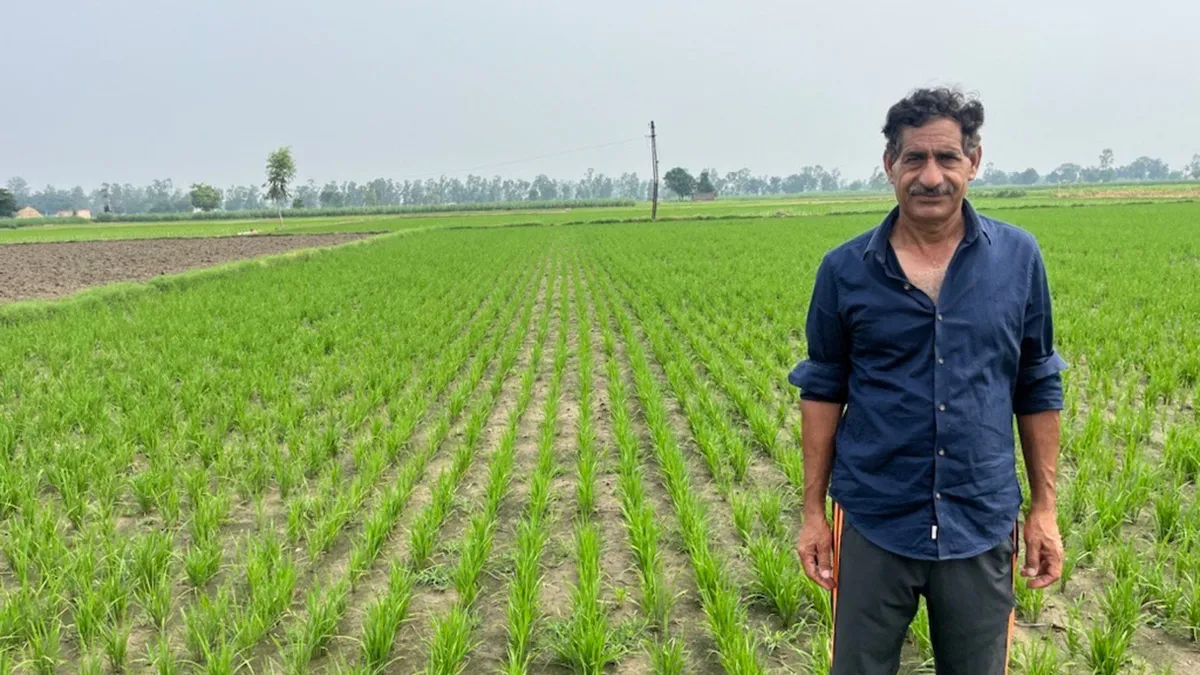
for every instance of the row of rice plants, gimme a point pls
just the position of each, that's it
(720, 598)
(312, 629)
(585, 641)
(523, 612)
(452, 642)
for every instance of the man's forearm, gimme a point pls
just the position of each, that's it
(1039, 443)
(818, 424)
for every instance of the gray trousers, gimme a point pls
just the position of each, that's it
(970, 605)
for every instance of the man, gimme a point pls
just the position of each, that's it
(926, 335)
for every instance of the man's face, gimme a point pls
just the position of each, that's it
(930, 171)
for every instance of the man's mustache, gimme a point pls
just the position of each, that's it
(940, 191)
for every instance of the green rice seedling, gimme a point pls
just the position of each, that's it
(1122, 604)
(209, 514)
(585, 487)
(270, 579)
(667, 657)
(297, 520)
(206, 622)
(162, 659)
(156, 601)
(116, 645)
(1181, 453)
(115, 595)
(88, 612)
(89, 664)
(1038, 657)
(1074, 636)
(1071, 558)
(220, 659)
(151, 557)
(202, 561)
(1108, 648)
(45, 644)
(450, 643)
(1160, 594)
(1168, 512)
(384, 617)
(1191, 606)
(170, 505)
(472, 559)
(770, 512)
(1030, 602)
(777, 576)
(585, 641)
(379, 634)
(147, 488)
(325, 531)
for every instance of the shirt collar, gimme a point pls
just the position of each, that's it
(973, 225)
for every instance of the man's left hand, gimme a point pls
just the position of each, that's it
(1043, 549)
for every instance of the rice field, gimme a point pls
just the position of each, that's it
(543, 450)
(813, 204)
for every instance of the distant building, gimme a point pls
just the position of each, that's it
(703, 196)
(29, 212)
(75, 213)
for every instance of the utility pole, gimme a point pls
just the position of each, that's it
(654, 183)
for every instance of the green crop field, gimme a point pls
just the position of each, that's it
(542, 449)
(783, 206)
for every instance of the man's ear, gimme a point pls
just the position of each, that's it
(976, 161)
(887, 166)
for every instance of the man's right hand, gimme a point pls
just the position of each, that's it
(816, 550)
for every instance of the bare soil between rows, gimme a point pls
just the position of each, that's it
(52, 270)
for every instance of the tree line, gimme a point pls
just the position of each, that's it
(163, 196)
(681, 183)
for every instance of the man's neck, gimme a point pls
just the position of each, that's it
(926, 235)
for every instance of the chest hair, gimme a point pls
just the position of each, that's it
(923, 273)
(929, 279)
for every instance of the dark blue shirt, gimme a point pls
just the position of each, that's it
(924, 460)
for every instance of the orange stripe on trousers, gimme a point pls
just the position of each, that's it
(1012, 616)
(838, 518)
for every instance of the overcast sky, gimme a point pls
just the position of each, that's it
(130, 90)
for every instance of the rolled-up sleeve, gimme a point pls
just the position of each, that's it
(824, 375)
(1039, 381)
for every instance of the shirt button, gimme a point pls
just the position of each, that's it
(939, 317)
(907, 286)
(942, 452)
(941, 406)
(941, 361)
(937, 495)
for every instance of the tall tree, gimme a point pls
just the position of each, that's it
(679, 181)
(331, 196)
(204, 197)
(1065, 173)
(1194, 167)
(1027, 177)
(993, 176)
(19, 188)
(8, 203)
(1106, 158)
(281, 169)
(704, 185)
(543, 188)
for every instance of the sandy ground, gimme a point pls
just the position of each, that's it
(53, 270)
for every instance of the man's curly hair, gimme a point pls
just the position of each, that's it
(923, 105)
